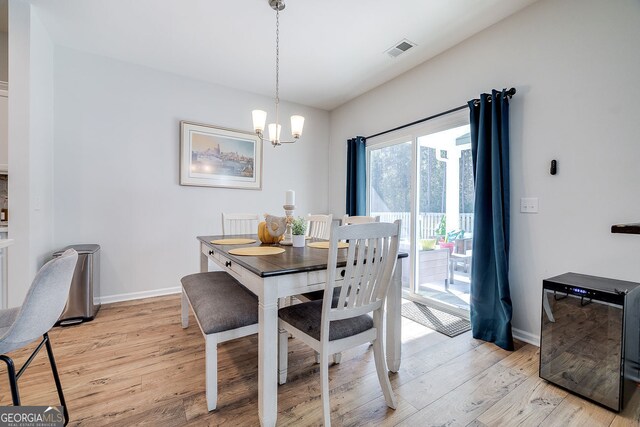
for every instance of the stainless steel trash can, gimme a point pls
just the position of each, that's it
(84, 293)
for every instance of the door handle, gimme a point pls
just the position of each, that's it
(227, 264)
(211, 252)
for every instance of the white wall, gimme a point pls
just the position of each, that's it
(575, 64)
(30, 148)
(116, 167)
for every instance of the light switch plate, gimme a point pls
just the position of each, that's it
(529, 205)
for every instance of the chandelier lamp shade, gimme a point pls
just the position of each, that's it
(260, 116)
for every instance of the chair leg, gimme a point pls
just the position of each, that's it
(324, 379)
(211, 370)
(185, 310)
(336, 358)
(56, 378)
(283, 349)
(381, 365)
(13, 381)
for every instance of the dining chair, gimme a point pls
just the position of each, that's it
(346, 220)
(319, 226)
(349, 220)
(39, 312)
(234, 223)
(333, 325)
(318, 295)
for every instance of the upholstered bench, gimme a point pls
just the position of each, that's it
(224, 310)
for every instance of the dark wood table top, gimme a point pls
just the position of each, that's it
(293, 260)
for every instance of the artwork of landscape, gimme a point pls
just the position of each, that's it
(219, 155)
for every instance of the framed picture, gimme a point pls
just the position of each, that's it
(217, 157)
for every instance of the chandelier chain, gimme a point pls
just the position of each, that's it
(277, 136)
(277, 55)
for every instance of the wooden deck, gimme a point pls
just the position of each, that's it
(135, 365)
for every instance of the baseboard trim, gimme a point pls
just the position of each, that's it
(108, 299)
(526, 337)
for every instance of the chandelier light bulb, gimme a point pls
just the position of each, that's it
(259, 119)
(297, 123)
(274, 136)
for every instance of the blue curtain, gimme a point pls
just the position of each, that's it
(356, 176)
(490, 297)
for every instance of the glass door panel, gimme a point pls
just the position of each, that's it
(389, 192)
(444, 203)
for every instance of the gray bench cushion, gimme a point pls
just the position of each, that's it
(307, 318)
(220, 302)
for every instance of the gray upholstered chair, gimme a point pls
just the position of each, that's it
(333, 325)
(41, 309)
(224, 310)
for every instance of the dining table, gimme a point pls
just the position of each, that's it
(273, 278)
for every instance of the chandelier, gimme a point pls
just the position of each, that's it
(260, 116)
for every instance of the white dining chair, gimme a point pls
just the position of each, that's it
(319, 226)
(349, 220)
(234, 223)
(332, 325)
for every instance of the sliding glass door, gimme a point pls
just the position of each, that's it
(425, 179)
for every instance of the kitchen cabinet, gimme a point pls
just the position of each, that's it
(4, 130)
(4, 244)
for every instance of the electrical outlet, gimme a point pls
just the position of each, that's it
(529, 205)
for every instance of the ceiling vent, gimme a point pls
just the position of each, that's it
(401, 47)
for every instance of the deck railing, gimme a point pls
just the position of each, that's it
(428, 222)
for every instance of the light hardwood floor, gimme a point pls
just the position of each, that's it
(135, 365)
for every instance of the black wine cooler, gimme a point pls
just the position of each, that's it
(590, 335)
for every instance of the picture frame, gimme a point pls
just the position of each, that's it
(212, 156)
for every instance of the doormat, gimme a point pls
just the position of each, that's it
(446, 323)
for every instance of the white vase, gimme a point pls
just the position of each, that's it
(298, 240)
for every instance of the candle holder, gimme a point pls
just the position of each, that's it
(288, 211)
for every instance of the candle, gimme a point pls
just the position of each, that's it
(290, 198)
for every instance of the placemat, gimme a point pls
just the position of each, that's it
(233, 241)
(325, 245)
(257, 250)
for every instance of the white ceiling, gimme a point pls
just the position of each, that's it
(330, 51)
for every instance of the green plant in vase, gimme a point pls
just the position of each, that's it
(298, 226)
(298, 230)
